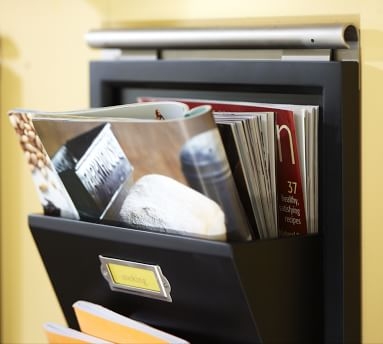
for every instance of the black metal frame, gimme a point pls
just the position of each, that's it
(335, 87)
(261, 291)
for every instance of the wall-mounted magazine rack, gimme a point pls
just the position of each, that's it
(304, 289)
(233, 293)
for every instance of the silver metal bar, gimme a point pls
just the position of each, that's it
(289, 37)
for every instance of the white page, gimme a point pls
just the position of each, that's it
(259, 172)
(248, 170)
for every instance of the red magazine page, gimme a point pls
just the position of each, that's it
(291, 211)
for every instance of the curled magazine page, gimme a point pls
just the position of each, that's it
(52, 194)
(160, 167)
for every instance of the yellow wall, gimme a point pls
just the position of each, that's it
(44, 64)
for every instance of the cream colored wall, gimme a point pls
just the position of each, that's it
(44, 63)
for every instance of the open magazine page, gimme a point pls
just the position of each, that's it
(52, 194)
(151, 166)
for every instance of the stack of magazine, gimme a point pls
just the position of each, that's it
(230, 171)
(100, 325)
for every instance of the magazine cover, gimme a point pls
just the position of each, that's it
(151, 166)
